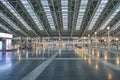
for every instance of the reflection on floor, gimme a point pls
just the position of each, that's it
(59, 63)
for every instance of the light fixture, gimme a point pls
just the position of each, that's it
(95, 32)
(108, 28)
(105, 40)
(116, 39)
(88, 35)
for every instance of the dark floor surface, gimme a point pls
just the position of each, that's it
(71, 63)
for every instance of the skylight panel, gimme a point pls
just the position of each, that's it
(116, 26)
(2, 26)
(97, 13)
(109, 19)
(64, 4)
(34, 16)
(82, 9)
(11, 23)
(15, 13)
(48, 13)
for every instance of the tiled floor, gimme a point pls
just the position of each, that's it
(65, 63)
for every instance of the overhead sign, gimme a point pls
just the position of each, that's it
(0, 45)
(5, 35)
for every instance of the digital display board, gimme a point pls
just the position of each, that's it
(0, 45)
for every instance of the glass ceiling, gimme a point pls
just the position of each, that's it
(2, 26)
(48, 13)
(109, 19)
(97, 13)
(82, 9)
(64, 5)
(11, 23)
(15, 13)
(29, 9)
(116, 26)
